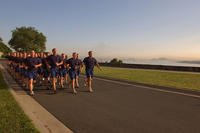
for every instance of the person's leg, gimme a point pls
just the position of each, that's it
(30, 82)
(85, 82)
(47, 79)
(73, 86)
(87, 76)
(62, 82)
(77, 82)
(62, 78)
(31, 86)
(73, 76)
(54, 83)
(53, 75)
(89, 80)
(77, 79)
(66, 78)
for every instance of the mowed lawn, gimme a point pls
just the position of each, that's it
(181, 80)
(12, 118)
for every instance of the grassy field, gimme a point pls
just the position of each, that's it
(182, 80)
(12, 118)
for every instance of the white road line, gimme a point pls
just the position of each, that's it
(150, 88)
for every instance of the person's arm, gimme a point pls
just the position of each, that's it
(60, 61)
(67, 64)
(38, 65)
(98, 66)
(58, 64)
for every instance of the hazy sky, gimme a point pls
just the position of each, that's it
(111, 28)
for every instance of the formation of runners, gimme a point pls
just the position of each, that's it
(52, 69)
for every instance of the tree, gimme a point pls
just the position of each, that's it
(27, 39)
(120, 61)
(4, 48)
(116, 61)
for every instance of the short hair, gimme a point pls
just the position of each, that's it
(53, 49)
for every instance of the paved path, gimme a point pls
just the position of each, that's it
(122, 108)
(117, 108)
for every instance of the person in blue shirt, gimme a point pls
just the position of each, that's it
(46, 69)
(63, 71)
(54, 61)
(24, 70)
(32, 64)
(89, 63)
(40, 70)
(80, 65)
(73, 66)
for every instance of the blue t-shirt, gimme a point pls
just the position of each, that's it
(45, 63)
(79, 63)
(53, 59)
(89, 62)
(73, 63)
(63, 65)
(31, 62)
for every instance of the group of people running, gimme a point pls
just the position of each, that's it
(52, 69)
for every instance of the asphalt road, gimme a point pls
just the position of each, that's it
(116, 108)
(121, 108)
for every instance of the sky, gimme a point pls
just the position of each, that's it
(111, 28)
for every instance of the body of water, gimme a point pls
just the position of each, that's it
(162, 62)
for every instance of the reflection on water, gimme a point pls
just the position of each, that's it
(162, 62)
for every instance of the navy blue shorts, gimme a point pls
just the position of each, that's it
(17, 69)
(63, 72)
(54, 72)
(32, 74)
(72, 74)
(89, 73)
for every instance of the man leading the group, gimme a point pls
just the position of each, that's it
(89, 63)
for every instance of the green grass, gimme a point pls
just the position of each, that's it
(181, 80)
(12, 118)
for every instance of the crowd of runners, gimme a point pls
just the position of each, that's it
(51, 69)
